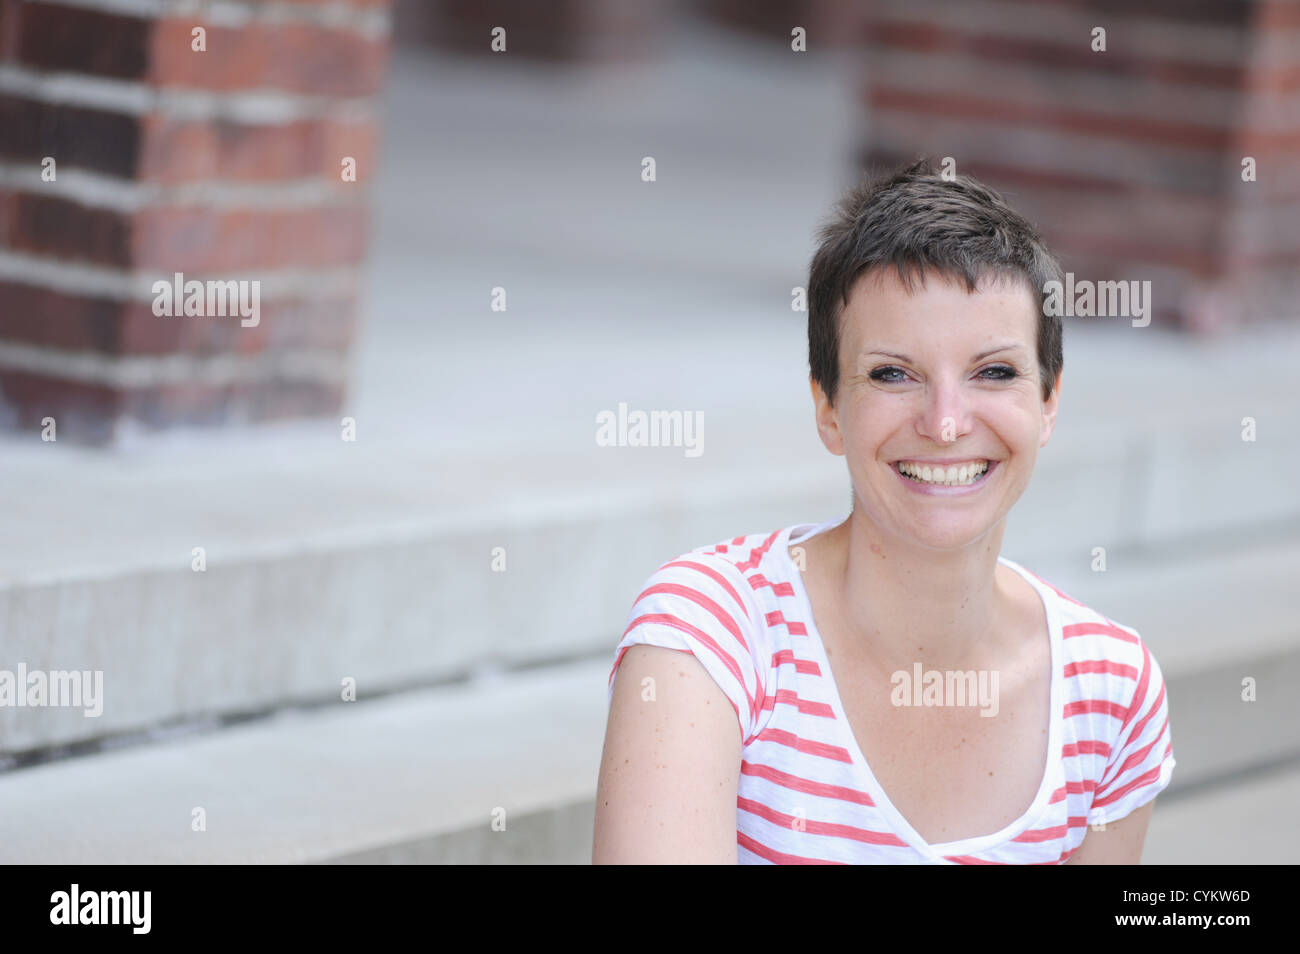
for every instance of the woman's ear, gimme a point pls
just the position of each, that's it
(1050, 407)
(828, 420)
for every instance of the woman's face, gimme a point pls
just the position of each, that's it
(938, 378)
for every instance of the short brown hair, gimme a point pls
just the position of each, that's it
(918, 221)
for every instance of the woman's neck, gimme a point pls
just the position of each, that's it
(900, 604)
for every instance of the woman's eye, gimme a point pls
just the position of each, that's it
(999, 372)
(887, 375)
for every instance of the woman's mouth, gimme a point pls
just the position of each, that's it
(949, 476)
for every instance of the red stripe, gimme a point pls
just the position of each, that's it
(1105, 666)
(807, 666)
(1137, 758)
(777, 857)
(813, 827)
(1097, 629)
(780, 589)
(971, 860)
(1060, 859)
(695, 596)
(1056, 831)
(1073, 788)
(707, 640)
(739, 541)
(1086, 747)
(717, 577)
(781, 737)
(756, 557)
(1144, 779)
(1065, 855)
(1139, 696)
(805, 785)
(777, 618)
(1115, 710)
(806, 707)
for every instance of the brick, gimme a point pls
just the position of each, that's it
(196, 239)
(94, 413)
(286, 326)
(177, 151)
(79, 40)
(82, 412)
(292, 57)
(56, 227)
(53, 319)
(994, 47)
(9, 23)
(68, 322)
(1096, 122)
(207, 240)
(87, 138)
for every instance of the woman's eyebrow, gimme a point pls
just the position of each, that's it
(1012, 346)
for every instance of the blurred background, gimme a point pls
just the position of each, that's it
(354, 574)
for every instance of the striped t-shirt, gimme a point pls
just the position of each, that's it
(806, 794)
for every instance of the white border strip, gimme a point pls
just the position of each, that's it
(252, 107)
(99, 191)
(332, 281)
(140, 371)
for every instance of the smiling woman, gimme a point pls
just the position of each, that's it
(754, 712)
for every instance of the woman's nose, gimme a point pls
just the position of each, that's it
(945, 414)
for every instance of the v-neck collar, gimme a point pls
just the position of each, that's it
(939, 851)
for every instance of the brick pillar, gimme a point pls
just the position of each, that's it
(555, 30)
(127, 155)
(1130, 159)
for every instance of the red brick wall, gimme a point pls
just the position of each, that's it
(222, 165)
(1128, 159)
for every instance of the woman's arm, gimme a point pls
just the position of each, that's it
(1119, 844)
(671, 765)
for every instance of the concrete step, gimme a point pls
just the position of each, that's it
(1247, 821)
(419, 776)
(427, 768)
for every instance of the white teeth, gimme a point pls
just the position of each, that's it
(956, 475)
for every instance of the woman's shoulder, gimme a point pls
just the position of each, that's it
(745, 559)
(1092, 642)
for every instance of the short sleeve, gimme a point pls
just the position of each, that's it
(696, 604)
(1141, 761)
